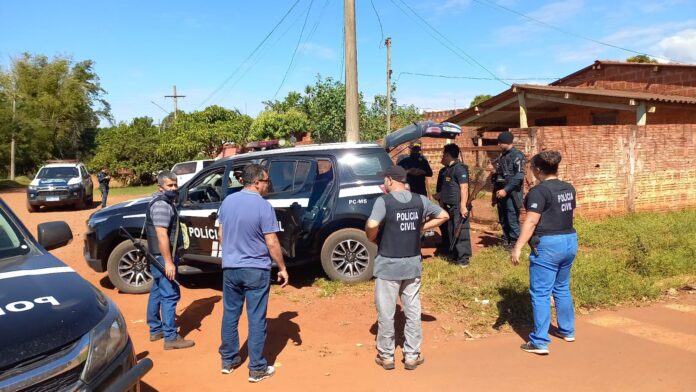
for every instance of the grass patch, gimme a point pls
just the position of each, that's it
(621, 260)
(133, 190)
(19, 182)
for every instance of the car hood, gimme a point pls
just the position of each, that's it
(44, 305)
(421, 129)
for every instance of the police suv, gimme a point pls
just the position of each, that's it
(322, 195)
(57, 331)
(59, 184)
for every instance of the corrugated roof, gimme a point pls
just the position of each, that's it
(646, 96)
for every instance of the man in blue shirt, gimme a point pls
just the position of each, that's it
(248, 228)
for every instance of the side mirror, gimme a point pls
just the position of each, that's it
(52, 235)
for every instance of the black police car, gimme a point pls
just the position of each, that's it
(57, 331)
(322, 194)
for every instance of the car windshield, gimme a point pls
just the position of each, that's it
(58, 172)
(11, 239)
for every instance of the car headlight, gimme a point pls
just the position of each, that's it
(75, 186)
(106, 341)
(32, 187)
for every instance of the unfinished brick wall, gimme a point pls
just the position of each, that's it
(622, 168)
(654, 78)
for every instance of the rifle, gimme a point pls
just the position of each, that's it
(152, 260)
(457, 232)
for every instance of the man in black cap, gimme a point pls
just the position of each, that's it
(453, 193)
(417, 168)
(507, 188)
(395, 225)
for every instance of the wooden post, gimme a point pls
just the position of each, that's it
(387, 42)
(523, 110)
(352, 101)
(641, 114)
(631, 175)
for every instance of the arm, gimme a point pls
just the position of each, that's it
(528, 227)
(165, 250)
(277, 256)
(438, 220)
(517, 179)
(372, 230)
(464, 199)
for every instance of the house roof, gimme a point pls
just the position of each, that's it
(644, 96)
(598, 64)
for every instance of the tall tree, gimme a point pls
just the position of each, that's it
(479, 98)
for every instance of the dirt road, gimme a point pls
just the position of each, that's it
(328, 343)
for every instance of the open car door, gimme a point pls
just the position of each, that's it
(421, 129)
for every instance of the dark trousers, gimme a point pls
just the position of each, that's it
(239, 285)
(509, 216)
(459, 247)
(104, 194)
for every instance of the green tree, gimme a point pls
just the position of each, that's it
(479, 98)
(641, 58)
(274, 125)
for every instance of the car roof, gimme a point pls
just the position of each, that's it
(62, 165)
(304, 149)
(199, 160)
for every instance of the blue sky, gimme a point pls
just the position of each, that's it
(142, 48)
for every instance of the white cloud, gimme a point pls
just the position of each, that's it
(680, 46)
(319, 51)
(552, 13)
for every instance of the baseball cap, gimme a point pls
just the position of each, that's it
(396, 173)
(506, 137)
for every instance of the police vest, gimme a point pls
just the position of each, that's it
(505, 168)
(402, 227)
(152, 242)
(451, 193)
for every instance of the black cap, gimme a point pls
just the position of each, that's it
(505, 137)
(396, 173)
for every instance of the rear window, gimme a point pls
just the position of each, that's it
(364, 166)
(184, 168)
(58, 172)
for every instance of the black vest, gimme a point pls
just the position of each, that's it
(451, 193)
(152, 242)
(402, 227)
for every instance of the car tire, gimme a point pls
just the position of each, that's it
(80, 204)
(348, 256)
(32, 208)
(127, 272)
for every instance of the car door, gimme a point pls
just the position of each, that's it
(199, 202)
(290, 188)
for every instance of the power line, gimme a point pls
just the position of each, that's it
(250, 55)
(294, 52)
(472, 59)
(468, 77)
(379, 20)
(491, 4)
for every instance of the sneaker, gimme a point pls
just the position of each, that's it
(530, 348)
(386, 363)
(260, 375)
(569, 338)
(412, 364)
(156, 336)
(228, 367)
(178, 343)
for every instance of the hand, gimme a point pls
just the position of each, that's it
(501, 194)
(515, 255)
(464, 211)
(169, 270)
(283, 277)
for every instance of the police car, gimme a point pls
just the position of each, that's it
(57, 331)
(58, 184)
(322, 195)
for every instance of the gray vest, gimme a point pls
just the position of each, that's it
(402, 227)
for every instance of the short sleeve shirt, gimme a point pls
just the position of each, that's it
(555, 201)
(390, 268)
(453, 176)
(246, 218)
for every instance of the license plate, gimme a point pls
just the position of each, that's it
(52, 198)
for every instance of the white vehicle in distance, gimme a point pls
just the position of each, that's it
(185, 170)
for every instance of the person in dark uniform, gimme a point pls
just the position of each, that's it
(163, 237)
(443, 247)
(395, 225)
(548, 228)
(103, 179)
(417, 168)
(454, 196)
(507, 188)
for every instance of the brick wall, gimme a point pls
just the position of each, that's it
(655, 78)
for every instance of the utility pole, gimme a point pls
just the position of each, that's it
(352, 111)
(12, 142)
(175, 98)
(387, 42)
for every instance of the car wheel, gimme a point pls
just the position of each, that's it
(32, 208)
(348, 256)
(128, 270)
(80, 204)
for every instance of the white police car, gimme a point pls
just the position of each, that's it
(59, 184)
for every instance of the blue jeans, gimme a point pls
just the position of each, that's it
(509, 216)
(164, 296)
(238, 285)
(549, 273)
